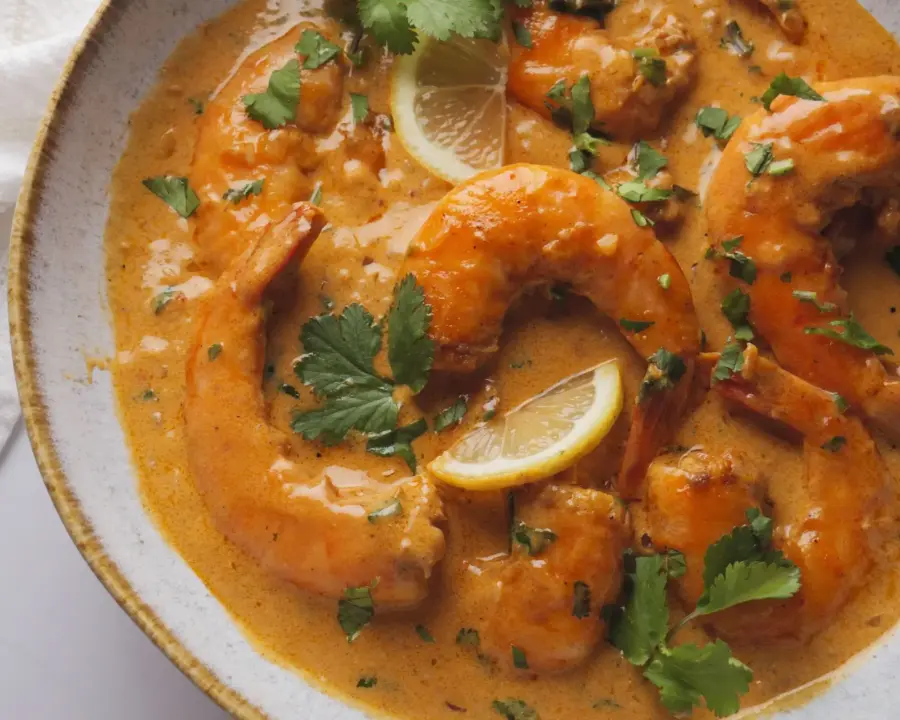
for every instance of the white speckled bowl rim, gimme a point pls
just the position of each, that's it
(58, 314)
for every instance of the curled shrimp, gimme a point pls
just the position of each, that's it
(305, 530)
(505, 231)
(831, 529)
(841, 149)
(233, 150)
(546, 604)
(627, 101)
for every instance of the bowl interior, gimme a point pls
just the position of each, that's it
(59, 319)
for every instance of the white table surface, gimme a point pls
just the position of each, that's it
(67, 650)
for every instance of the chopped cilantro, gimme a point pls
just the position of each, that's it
(520, 661)
(849, 331)
(359, 105)
(650, 65)
(635, 325)
(355, 610)
(468, 636)
(534, 540)
(647, 161)
(716, 122)
(736, 307)
(277, 106)
(522, 34)
(664, 370)
(835, 444)
(665, 281)
(809, 296)
(734, 41)
(759, 158)
(637, 191)
(674, 563)
(514, 709)
(784, 85)
(392, 508)
(781, 167)
(316, 197)
(236, 194)
(731, 362)
(745, 581)
(174, 192)
(198, 104)
(582, 105)
(317, 49)
(581, 602)
(367, 682)
(398, 442)
(452, 415)
(786, 277)
(840, 402)
(148, 395)
(423, 633)
(587, 143)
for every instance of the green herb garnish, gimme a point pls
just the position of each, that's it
(277, 106)
(174, 192)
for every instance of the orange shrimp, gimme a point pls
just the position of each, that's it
(627, 102)
(305, 530)
(505, 231)
(233, 149)
(839, 148)
(832, 530)
(547, 604)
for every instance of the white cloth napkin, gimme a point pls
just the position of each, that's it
(36, 37)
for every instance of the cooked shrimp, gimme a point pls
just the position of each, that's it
(233, 149)
(839, 148)
(305, 530)
(508, 230)
(627, 102)
(831, 530)
(547, 605)
(788, 15)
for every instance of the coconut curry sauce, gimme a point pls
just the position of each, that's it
(374, 196)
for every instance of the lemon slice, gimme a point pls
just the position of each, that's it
(541, 437)
(448, 101)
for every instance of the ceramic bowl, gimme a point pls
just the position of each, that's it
(58, 315)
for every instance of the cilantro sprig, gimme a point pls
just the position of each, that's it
(277, 106)
(741, 567)
(338, 365)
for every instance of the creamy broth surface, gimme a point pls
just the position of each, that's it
(357, 258)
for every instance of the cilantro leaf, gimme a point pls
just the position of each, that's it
(398, 442)
(687, 674)
(785, 85)
(451, 415)
(340, 351)
(743, 582)
(664, 370)
(635, 325)
(582, 105)
(359, 105)
(734, 41)
(520, 661)
(647, 160)
(761, 526)
(371, 411)
(643, 622)
(675, 564)
(731, 362)
(236, 194)
(736, 307)
(368, 681)
(835, 444)
(424, 633)
(640, 219)
(317, 49)
(650, 65)
(514, 709)
(356, 609)
(522, 34)
(809, 296)
(715, 121)
(759, 158)
(849, 331)
(581, 602)
(443, 18)
(391, 508)
(468, 636)
(214, 351)
(781, 167)
(635, 191)
(410, 350)
(534, 540)
(388, 22)
(277, 106)
(174, 192)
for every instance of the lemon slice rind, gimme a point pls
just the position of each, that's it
(500, 470)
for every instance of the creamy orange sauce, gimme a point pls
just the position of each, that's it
(356, 260)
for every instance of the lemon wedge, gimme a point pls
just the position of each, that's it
(448, 100)
(541, 437)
